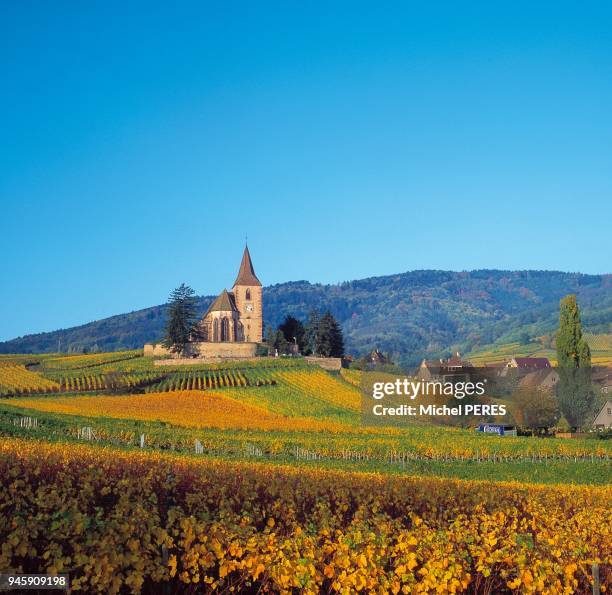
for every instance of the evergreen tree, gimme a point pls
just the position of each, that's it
(182, 320)
(329, 339)
(275, 340)
(574, 390)
(337, 338)
(293, 331)
(311, 330)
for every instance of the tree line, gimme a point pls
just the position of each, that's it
(320, 334)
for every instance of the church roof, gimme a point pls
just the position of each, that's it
(246, 274)
(223, 303)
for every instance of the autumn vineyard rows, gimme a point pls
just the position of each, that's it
(111, 518)
(18, 380)
(307, 408)
(264, 489)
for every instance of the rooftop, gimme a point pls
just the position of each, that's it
(223, 303)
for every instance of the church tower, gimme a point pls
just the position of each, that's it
(247, 293)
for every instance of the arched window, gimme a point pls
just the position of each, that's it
(225, 334)
(215, 330)
(248, 294)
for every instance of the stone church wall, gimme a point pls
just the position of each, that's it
(209, 351)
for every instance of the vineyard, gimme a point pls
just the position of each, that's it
(191, 409)
(119, 372)
(202, 380)
(162, 382)
(17, 379)
(328, 436)
(600, 344)
(108, 382)
(285, 406)
(351, 376)
(78, 362)
(148, 364)
(250, 476)
(162, 519)
(321, 385)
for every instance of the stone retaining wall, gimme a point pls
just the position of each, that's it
(327, 363)
(208, 351)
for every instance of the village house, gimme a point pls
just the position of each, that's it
(603, 420)
(451, 369)
(544, 380)
(376, 358)
(529, 364)
(602, 377)
(525, 365)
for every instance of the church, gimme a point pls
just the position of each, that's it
(236, 315)
(233, 324)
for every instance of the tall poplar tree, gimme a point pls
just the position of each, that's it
(574, 390)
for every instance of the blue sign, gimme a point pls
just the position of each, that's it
(491, 429)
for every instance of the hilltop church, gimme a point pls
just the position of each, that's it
(233, 324)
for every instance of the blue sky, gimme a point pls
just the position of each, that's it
(141, 142)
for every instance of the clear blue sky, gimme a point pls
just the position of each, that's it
(141, 142)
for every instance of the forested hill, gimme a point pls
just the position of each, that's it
(409, 314)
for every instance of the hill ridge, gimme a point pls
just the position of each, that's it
(411, 314)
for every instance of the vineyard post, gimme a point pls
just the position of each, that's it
(165, 558)
(596, 586)
(142, 440)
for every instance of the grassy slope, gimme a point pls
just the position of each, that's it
(457, 309)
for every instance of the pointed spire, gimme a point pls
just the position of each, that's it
(246, 274)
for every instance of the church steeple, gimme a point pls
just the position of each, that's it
(246, 274)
